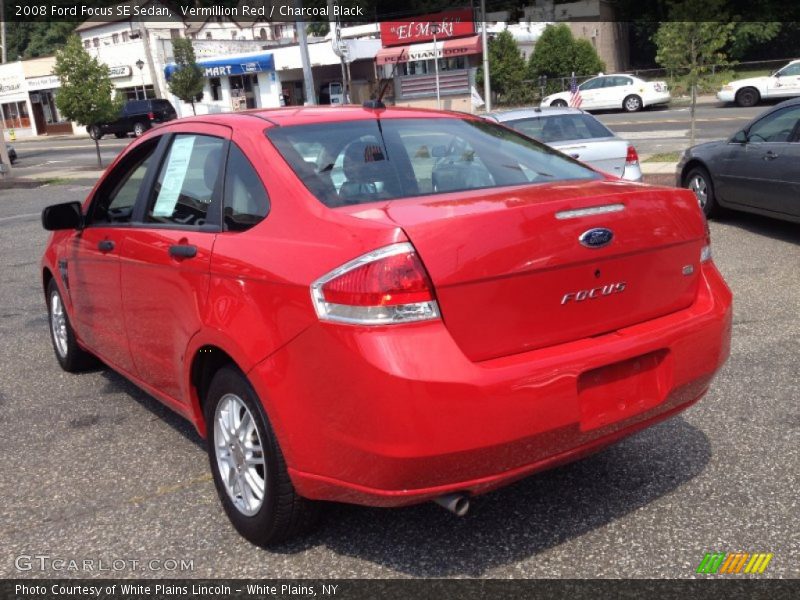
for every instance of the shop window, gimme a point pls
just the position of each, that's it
(216, 88)
(124, 36)
(262, 34)
(115, 38)
(87, 44)
(96, 42)
(174, 34)
(16, 115)
(208, 35)
(233, 35)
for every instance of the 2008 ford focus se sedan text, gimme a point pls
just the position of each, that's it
(383, 306)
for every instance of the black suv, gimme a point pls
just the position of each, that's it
(137, 117)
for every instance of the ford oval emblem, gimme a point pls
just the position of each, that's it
(596, 238)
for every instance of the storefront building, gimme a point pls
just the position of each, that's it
(28, 99)
(233, 83)
(407, 56)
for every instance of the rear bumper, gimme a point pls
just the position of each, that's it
(395, 416)
(657, 98)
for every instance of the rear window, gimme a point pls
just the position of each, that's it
(161, 104)
(559, 128)
(355, 162)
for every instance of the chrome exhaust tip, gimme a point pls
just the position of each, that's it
(458, 504)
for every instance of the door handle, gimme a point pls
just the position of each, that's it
(105, 245)
(575, 155)
(183, 251)
(770, 155)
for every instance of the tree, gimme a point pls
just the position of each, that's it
(558, 54)
(507, 68)
(748, 35)
(693, 46)
(86, 90)
(187, 81)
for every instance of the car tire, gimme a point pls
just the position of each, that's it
(94, 132)
(120, 135)
(280, 513)
(632, 103)
(747, 97)
(70, 355)
(139, 129)
(559, 103)
(699, 181)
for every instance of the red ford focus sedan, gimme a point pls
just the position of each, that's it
(383, 306)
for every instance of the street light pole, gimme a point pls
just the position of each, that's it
(435, 30)
(140, 64)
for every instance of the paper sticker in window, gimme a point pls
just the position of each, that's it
(174, 175)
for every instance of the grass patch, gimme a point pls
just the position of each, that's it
(664, 157)
(56, 181)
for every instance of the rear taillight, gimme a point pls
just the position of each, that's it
(631, 158)
(382, 287)
(151, 116)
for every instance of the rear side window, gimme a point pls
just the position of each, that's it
(245, 200)
(187, 183)
(559, 128)
(116, 197)
(354, 162)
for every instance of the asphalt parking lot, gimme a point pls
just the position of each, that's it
(95, 469)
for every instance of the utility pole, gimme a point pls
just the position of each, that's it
(435, 31)
(487, 88)
(308, 77)
(3, 31)
(336, 40)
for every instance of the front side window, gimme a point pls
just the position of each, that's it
(593, 84)
(777, 127)
(370, 160)
(186, 185)
(116, 197)
(559, 128)
(790, 70)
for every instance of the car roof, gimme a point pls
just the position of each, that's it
(528, 113)
(308, 115)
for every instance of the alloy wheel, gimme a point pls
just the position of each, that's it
(240, 454)
(58, 325)
(699, 186)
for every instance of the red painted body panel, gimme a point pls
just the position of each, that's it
(503, 385)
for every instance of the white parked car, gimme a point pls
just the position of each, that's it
(577, 134)
(783, 83)
(613, 92)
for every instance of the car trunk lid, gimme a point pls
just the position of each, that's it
(605, 154)
(511, 274)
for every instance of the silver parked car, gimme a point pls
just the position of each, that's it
(578, 134)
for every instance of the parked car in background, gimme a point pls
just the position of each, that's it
(783, 83)
(467, 308)
(577, 134)
(137, 116)
(616, 91)
(755, 170)
(12, 153)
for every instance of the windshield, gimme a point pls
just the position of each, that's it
(364, 161)
(559, 128)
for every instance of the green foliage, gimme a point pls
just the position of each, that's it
(558, 54)
(318, 28)
(507, 70)
(746, 36)
(86, 90)
(187, 81)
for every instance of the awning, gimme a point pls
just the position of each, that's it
(446, 49)
(230, 65)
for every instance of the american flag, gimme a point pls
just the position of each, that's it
(575, 99)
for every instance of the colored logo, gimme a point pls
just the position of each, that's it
(597, 237)
(734, 563)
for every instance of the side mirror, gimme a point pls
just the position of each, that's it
(68, 215)
(740, 137)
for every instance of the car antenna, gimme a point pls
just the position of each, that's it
(378, 102)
